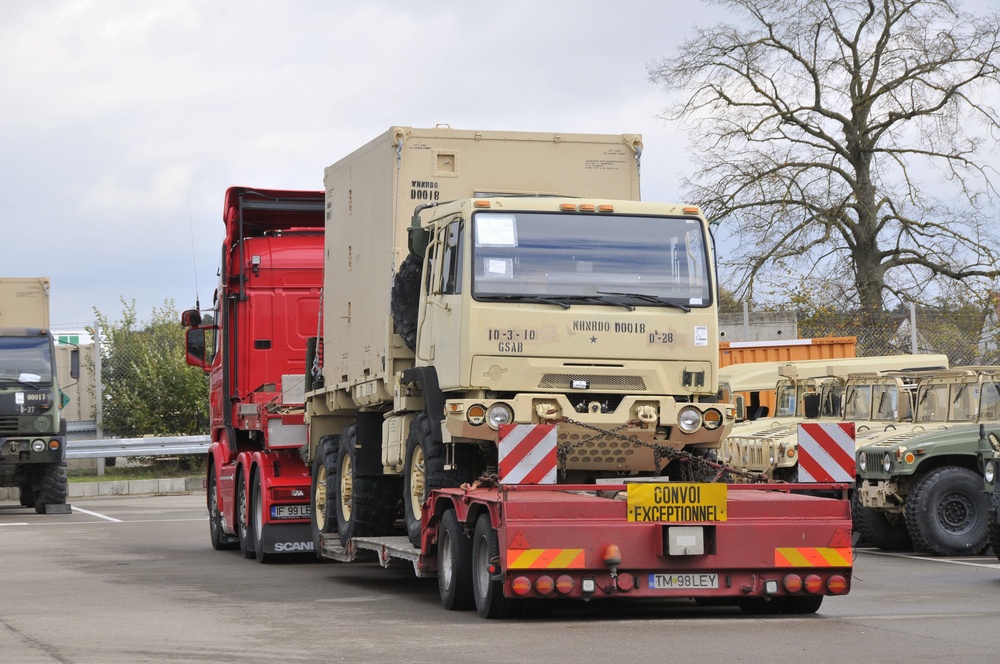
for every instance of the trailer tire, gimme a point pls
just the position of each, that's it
(881, 529)
(762, 606)
(424, 471)
(257, 521)
(243, 518)
(324, 480)
(454, 564)
(946, 512)
(802, 604)
(220, 540)
(53, 486)
(404, 299)
(366, 505)
(487, 591)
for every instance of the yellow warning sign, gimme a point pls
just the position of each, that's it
(677, 502)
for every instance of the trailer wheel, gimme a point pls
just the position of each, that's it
(946, 512)
(487, 591)
(52, 487)
(454, 564)
(366, 505)
(220, 540)
(423, 471)
(878, 528)
(243, 518)
(257, 522)
(802, 604)
(324, 477)
(762, 606)
(404, 299)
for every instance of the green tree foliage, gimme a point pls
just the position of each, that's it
(148, 388)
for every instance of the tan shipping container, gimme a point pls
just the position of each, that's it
(370, 199)
(24, 302)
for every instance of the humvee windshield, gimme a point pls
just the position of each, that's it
(590, 258)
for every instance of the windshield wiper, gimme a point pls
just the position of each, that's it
(560, 300)
(655, 299)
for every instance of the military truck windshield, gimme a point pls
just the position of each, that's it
(588, 258)
(25, 360)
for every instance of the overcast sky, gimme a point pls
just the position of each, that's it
(123, 122)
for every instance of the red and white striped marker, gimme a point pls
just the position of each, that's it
(826, 452)
(528, 453)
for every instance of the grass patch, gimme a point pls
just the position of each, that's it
(143, 468)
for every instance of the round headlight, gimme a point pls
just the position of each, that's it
(499, 413)
(989, 473)
(689, 419)
(862, 462)
(38, 445)
(887, 463)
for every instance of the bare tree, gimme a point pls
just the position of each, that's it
(846, 142)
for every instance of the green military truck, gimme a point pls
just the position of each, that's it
(32, 434)
(920, 485)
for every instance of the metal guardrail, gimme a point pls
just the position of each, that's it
(125, 447)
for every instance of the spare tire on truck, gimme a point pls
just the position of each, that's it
(404, 303)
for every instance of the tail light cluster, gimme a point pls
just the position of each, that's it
(544, 585)
(813, 584)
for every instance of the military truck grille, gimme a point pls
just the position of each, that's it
(8, 425)
(609, 383)
(873, 467)
(601, 451)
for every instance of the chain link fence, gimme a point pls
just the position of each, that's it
(967, 337)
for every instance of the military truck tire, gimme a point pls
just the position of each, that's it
(243, 518)
(946, 512)
(993, 529)
(881, 529)
(26, 495)
(220, 540)
(366, 506)
(404, 299)
(454, 564)
(324, 479)
(423, 471)
(52, 487)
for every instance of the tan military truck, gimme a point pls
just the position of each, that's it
(479, 279)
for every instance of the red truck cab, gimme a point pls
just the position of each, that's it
(254, 348)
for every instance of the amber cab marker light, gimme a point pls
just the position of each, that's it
(691, 209)
(568, 207)
(482, 204)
